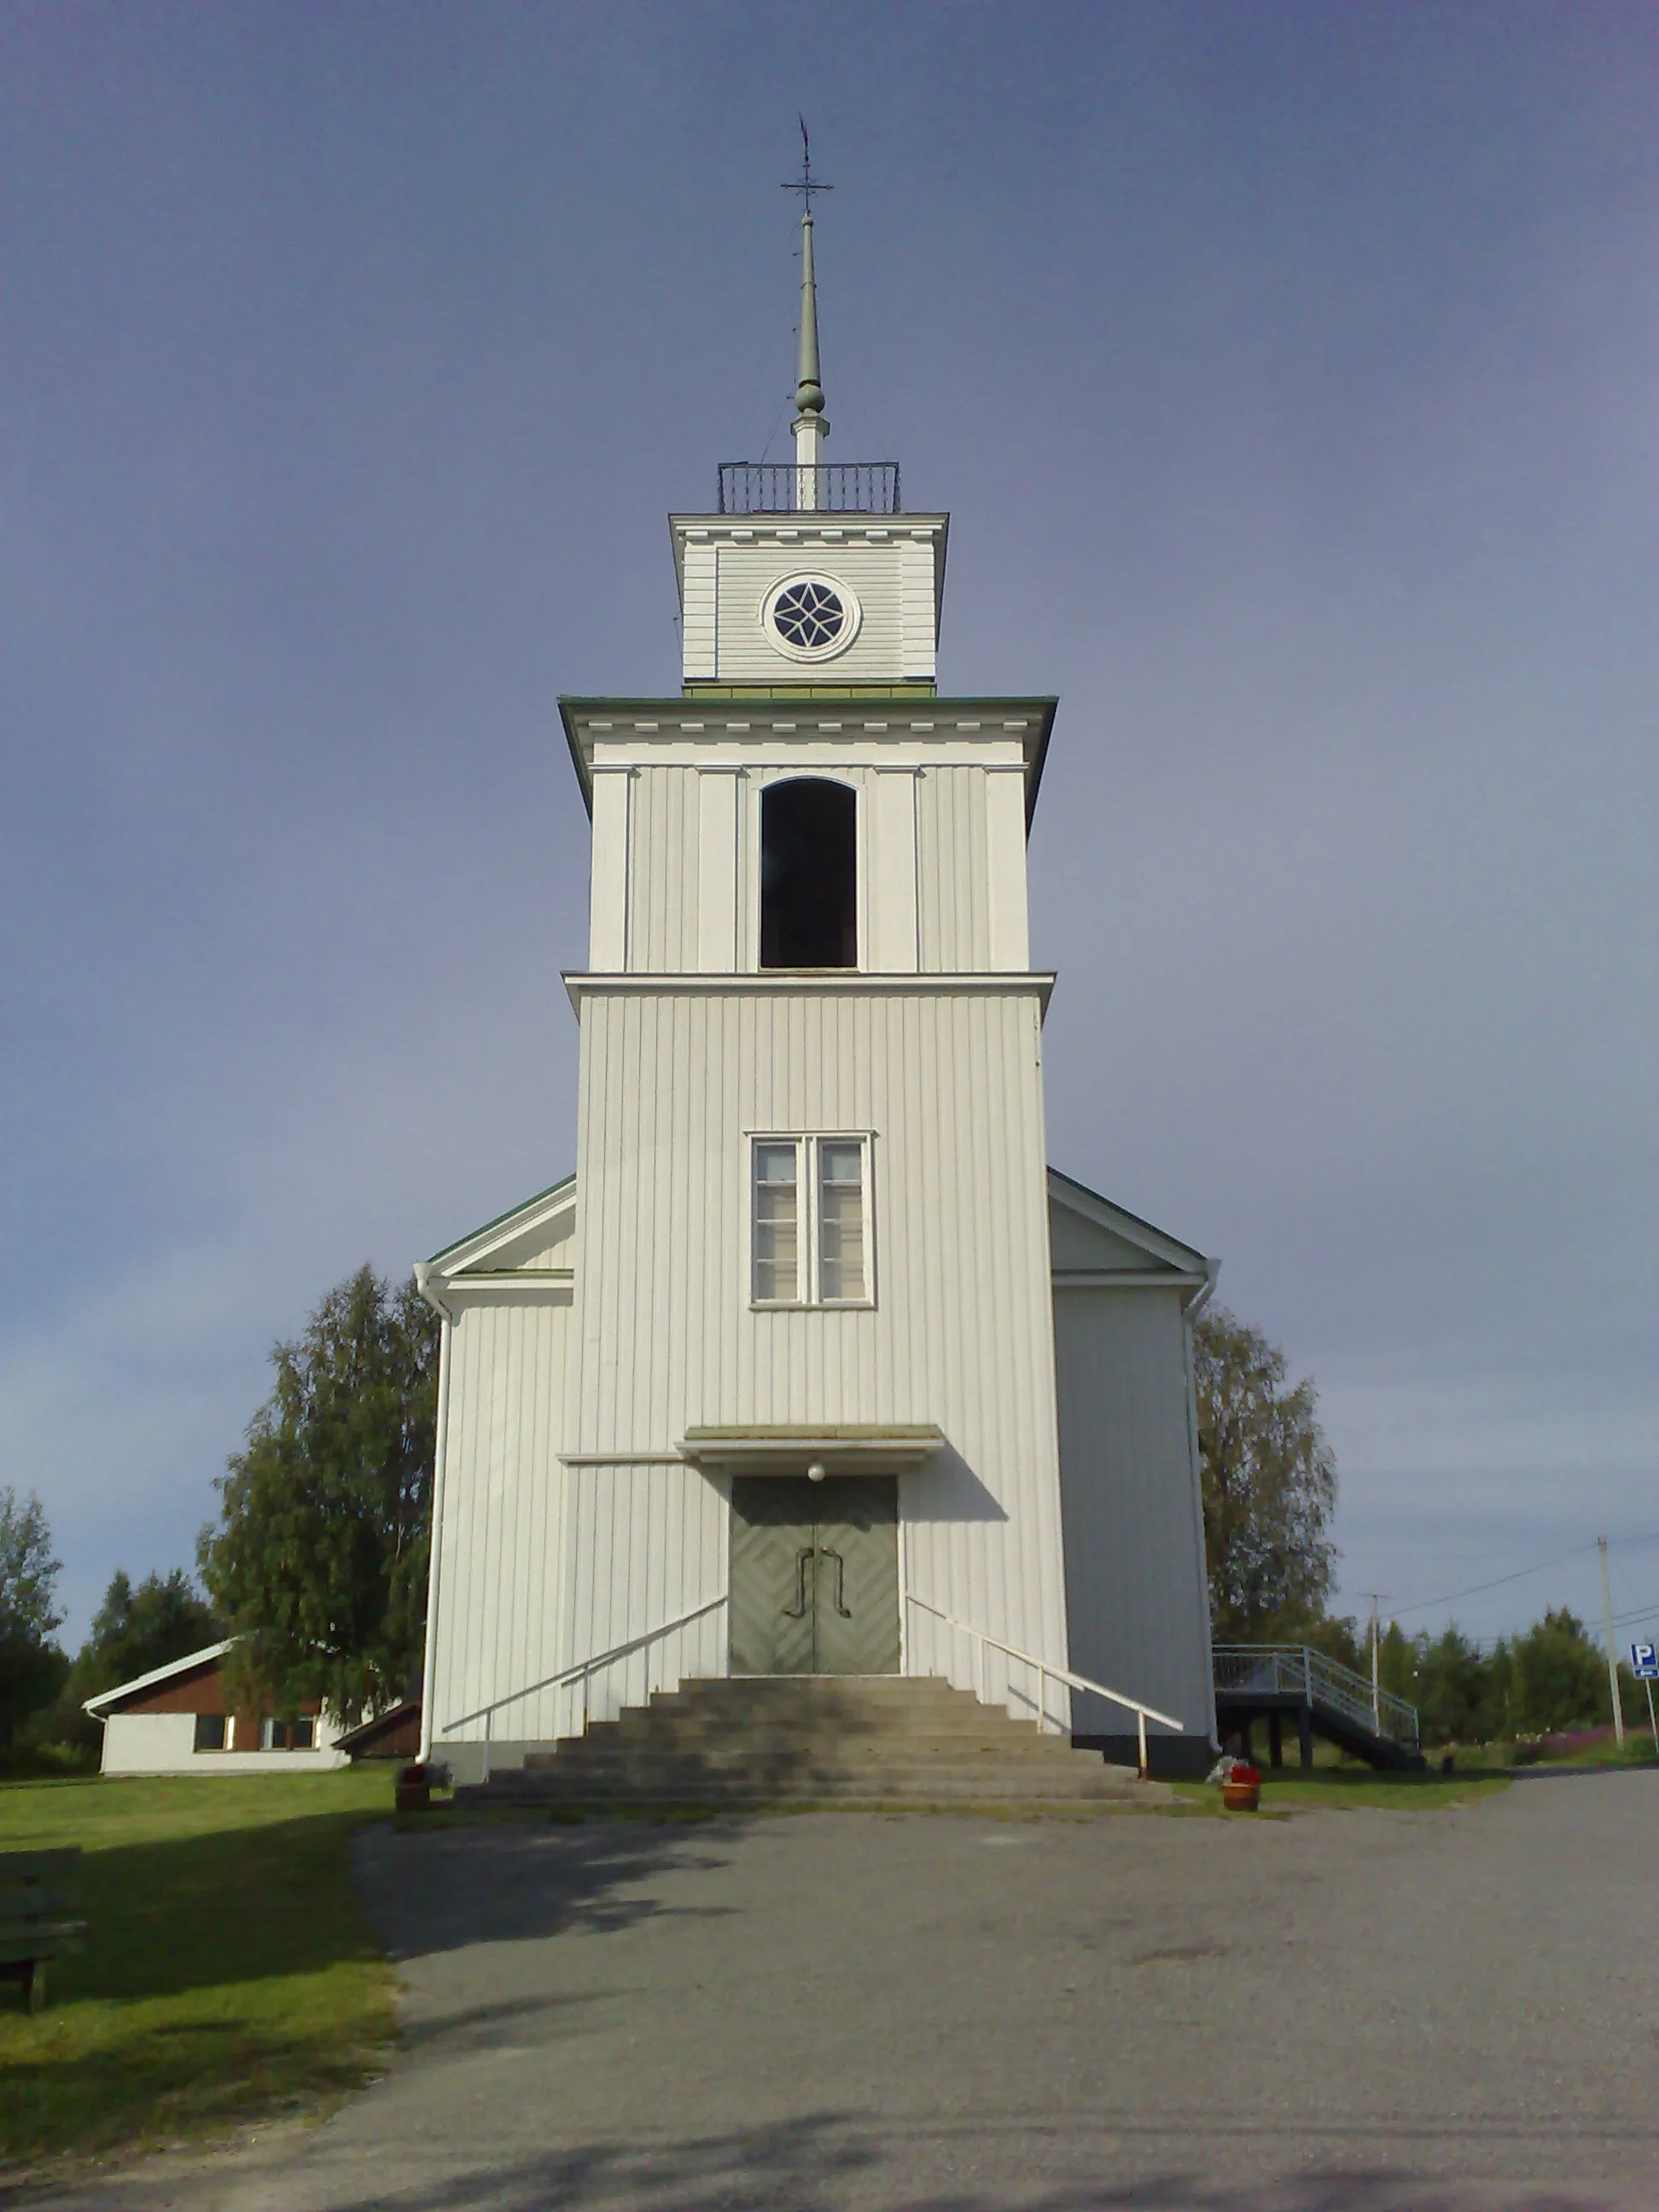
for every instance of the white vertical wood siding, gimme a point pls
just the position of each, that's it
(501, 1541)
(664, 898)
(644, 1544)
(953, 898)
(608, 883)
(941, 867)
(1136, 1600)
(950, 1085)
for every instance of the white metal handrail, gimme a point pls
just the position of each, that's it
(1297, 1670)
(1045, 1668)
(584, 1671)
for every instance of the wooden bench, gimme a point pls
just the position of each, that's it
(40, 1906)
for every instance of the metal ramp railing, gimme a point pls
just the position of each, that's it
(1278, 1675)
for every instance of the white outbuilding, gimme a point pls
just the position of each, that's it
(177, 1719)
(815, 1364)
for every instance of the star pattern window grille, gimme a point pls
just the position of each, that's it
(809, 615)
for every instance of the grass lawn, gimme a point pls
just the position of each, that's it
(1287, 1789)
(230, 1969)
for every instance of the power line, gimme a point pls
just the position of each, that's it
(1426, 1604)
(1423, 1604)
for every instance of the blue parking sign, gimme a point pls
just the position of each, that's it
(1644, 1662)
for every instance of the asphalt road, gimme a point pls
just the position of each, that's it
(1342, 2012)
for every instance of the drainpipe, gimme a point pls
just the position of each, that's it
(423, 1283)
(1189, 1313)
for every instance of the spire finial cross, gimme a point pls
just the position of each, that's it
(805, 184)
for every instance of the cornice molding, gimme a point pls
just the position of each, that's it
(808, 982)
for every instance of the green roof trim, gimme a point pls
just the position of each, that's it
(565, 1183)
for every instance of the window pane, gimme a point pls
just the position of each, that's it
(270, 1735)
(840, 1225)
(210, 1731)
(303, 1733)
(777, 1243)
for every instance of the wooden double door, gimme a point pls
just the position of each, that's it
(815, 1575)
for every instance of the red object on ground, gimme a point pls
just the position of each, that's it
(1241, 1791)
(412, 1791)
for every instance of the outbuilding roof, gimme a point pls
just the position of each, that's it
(106, 1700)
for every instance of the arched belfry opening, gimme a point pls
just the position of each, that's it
(809, 874)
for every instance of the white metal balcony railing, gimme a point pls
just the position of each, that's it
(1296, 1670)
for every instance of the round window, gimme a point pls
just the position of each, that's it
(810, 618)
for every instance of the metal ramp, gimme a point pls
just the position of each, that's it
(1270, 1682)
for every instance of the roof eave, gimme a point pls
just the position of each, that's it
(98, 1706)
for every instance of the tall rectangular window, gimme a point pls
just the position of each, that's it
(777, 1225)
(841, 1221)
(810, 1214)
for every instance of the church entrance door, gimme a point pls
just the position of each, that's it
(815, 1575)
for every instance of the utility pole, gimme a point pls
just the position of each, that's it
(1612, 1649)
(1375, 1597)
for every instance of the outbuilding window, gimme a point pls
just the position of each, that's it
(809, 1222)
(209, 1732)
(809, 898)
(287, 1735)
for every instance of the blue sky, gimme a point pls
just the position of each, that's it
(1289, 374)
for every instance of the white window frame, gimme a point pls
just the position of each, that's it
(809, 1148)
(852, 615)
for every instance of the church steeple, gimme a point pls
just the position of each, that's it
(811, 426)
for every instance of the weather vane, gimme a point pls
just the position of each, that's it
(804, 184)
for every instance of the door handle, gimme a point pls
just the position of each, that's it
(797, 1611)
(824, 1552)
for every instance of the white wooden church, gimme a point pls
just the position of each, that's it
(814, 1365)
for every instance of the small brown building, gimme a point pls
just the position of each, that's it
(176, 1720)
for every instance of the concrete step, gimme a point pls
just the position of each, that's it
(762, 1742)
(897, 1785)
(874, 1739)
(718, 1755)
(839, 1692)
(972, 1722)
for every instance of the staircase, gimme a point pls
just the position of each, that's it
(870, 1741)
(1273, 1682)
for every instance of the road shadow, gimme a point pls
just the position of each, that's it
(443, 1889)
(833, 2162)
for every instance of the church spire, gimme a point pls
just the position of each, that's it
(809, 392)
(812, 427)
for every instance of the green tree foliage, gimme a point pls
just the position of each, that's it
(1269, 1481)
(318, 1562)
(31, 1667)
(1558, 1678)
(1462, 1697)
(1554, 1677)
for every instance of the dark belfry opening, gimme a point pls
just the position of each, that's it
(809, 875)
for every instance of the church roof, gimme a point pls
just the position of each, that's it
(106, 1700)
(1098, 1245)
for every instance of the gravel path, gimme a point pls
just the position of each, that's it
(1363, 2011)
